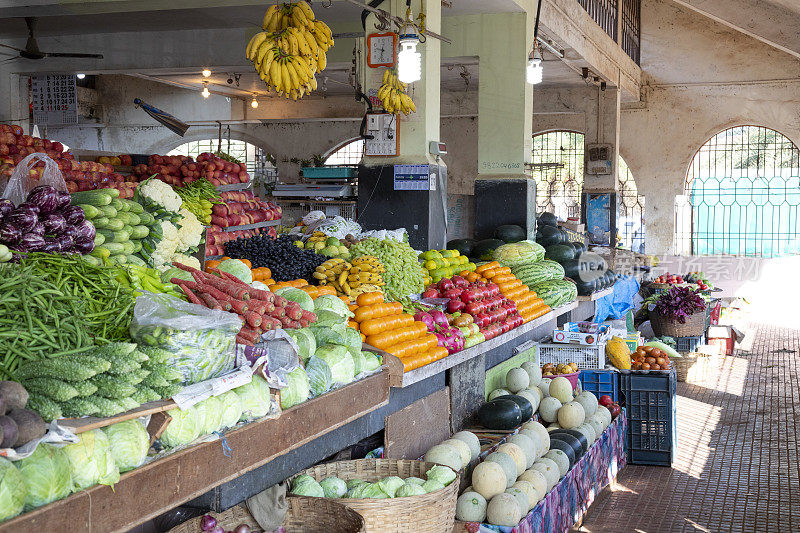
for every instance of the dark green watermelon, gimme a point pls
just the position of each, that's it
(483, 250)
(579, 246)
(572, 269)
(565, 236)
(549, 236)
(586, 288)
(464, 246)
(547, 219)
(510, 233)
(560, 253)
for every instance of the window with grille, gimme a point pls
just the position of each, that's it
(349, 153)
(742, 196)
(243, 151)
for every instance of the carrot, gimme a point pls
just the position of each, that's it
(244, 340)
(240, 307)
(252, 319)
(269, 322)
(294, 311)
(210, 301)
(228, 287)
(309, 316)
(286, 322)
(249, 333)
(189, 294)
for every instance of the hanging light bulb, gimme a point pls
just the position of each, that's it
(206, 72)
(254, 102)
(80, 75)
(206, 93)
(409, 61)
(535, 72)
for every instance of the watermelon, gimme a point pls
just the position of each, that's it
(547, 219)
(558, 270)
(484, 250)
(464, 246)
(560, 253)
(518, 253)
(510, 233)
(548, 236)
(533, 273)
(556, 293)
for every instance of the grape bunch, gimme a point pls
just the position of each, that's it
(404, 274)
(281, 256)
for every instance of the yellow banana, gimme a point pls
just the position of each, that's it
(275, 74)
(306, 9)
(269, 16)
(313, 83)
(322, 61)
(262, 52)
(294, 46)
(254, 44)
(308, 37)
(299, 17)
(292, 74)
(271, 56)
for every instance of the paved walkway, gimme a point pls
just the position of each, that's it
(736, 469)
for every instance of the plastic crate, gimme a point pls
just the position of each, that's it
(649, 401)
(586, 357)
(688, 344)
(601, 382)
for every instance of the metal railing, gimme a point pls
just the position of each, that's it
(631, 29)
(620, 19)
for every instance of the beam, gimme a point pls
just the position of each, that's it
(767, 22)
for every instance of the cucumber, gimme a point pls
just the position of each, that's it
(136, 260)
(108, 211)
(119, 205)
(119, 259)
(133, 219)
(92, 260)
(133, 207)
(139, 232)
(100, 222)
(114, 248)
(146, 219)
(113, 224)
(90, 211)
(99, 197)
(137, 245)
(114, 236)
(99, 239)
(124, 217)
(128, 247)
(101, 251)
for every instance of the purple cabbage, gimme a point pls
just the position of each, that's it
(65, 242)
(63, 199)
(38, 229)
(84, 245)
(85, 230)
(9, 233)
(32, 242)
(24, 218)
(73, 214)
(54, 224)
(44, 197)
(6, 206)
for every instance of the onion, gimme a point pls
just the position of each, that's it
(242, 528)
(208, 522)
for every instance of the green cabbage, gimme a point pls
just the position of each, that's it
(409, 489)
(297, 295)
(352, 339)
(371, 361)
(47, 475)
(307, 486)
(329, 319)
(254, 397)
(354, 483)
(319, 376)
(297, 390)
(183, 428)
(414, 480)
(333, 487)
(12, 490)
(305, 340)
(230, 409)
(432, 485)
(372, 490)
(442, 474)
(91, 461)
(328, 302)
(209, 413)
(238, 269)
(129, 443)
(390, 484)
(358, 361)
(174, 272)
(340, 361)
(301, 479)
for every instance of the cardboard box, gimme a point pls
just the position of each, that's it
(570, 334)
(574, 226)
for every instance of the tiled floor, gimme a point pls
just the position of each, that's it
(736, 467)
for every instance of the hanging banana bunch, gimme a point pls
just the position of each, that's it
(393, 96)
(291, 49)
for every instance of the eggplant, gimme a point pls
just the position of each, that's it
(73, 214)
(9, 233)
(84, 245)
(85, 229)
(69, 231)
(50, 247)
(38, 229)
(54, 224)
(63, 199)
(23, 218)
(32, 242)
(6, 206)
(45, 197)
(65, 242)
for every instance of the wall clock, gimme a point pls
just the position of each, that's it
(381, 49)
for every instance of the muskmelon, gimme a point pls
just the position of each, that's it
(497, 393)
(534, 372)
(508, 465)
(544, 436)
(548, 409)
(588, 432)
(537, 479)
(522, 498)
(471, 507)
(517, 379)
(544, 387)
(588, 401)
(537, 442)
(530, 492)
(605, 413)
(571, 415)
(561, 388)
(597, 425)
(516, 453)
(462, 449)
(503, 510)
(472, 441)
(532, 397)
(550, 470)
(444, 455)
(528, 446)
(489, 479)
(561, 459)
(552, 427)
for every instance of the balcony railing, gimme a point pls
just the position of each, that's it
(620, 19)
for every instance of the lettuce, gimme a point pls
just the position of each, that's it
(297, 390)
(339, 360)
(129, 443)
(12, 490)
(351, 483)
(91, 461)
(230, 409)
(366, 490)
(333, 487)
(320, 379)
(47, 475)
(328, 302)
(305, 340)
(299, 296)
(183, 428)
(254, 397)
(238, 269)
(209, 413)
(414, 480)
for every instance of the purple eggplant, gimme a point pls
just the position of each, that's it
(38, 229)
(84, 245)
(85, 229)
(29, 207)
(69, 231)
(63, 199)
(24, 218)
(54, 224)
(32, 242)
(9, 233)
(73, 215)
(65, 242)
(50, 247)
(44, 197)
(6, 206)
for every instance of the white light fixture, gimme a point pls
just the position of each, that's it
(80, 75)
(206, 93)
(206, 72)
(409, 61)
(535, 72)
(254, 103)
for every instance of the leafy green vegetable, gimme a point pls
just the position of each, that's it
(297, 390)
(358, 361)
(12, 490)
(209, 412)
(254, 397)
(47, 475)
(296, 295)
(409, 489)
(307, 486)
(371, 361)
(129, 443)
(328, 302)
(333, 487)
(305, 340)
(390, 484)
(182, 429)
(432, 485)
(238, 269)
(319, 376)
(339, 360)
(372, 490)
(354, 483)
(230, 409)
(442, 474)
(414, 480)
(91, 461)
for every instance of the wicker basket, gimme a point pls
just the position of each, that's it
(305, 515)
(695, 367)
(433, 512)
(694, 326)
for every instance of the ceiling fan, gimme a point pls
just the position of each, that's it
(31, 50)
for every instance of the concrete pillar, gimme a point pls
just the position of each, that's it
(603, 128)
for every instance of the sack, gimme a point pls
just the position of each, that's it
(201, 341)
(21, 182)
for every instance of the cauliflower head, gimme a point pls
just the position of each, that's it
(160, 193)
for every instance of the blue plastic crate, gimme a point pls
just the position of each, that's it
(689, 344)
(601, 382)
(649, 401)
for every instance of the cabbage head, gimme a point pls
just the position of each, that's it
(409, 489)
(297, 390)
(299, 296)
(91, 461)
(254, 397)
(328, 302)
(305, 340)
(307, 486)
(414, 480)
(354, 483)
(352, 339)
(209, 413)
(373, 490)
(431, 485)
(129, 443)
(358, 361)
(230, 409)
(183, 428)
(371, 362)
(319, 376)
(333, 487)
(47, 475)
(238, 269)
(340, 361)
(174, 272)
(442, 474)
(12, 490)
(390, 484)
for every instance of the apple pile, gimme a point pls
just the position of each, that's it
(243, 207)
(606, 401)
(216, 237)
(180, 169)
(116, 160)
(668, 278)
(492, 312)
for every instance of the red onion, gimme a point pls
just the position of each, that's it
(242, 528)
(208, 523)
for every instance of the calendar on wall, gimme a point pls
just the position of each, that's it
(54, 99)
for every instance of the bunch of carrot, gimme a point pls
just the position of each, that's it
(529, 305)
(259, 310)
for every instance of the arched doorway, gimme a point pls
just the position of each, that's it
(742, 196)
(350, 152)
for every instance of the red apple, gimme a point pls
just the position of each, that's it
(430, 293)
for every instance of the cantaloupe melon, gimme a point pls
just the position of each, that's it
(537, 479)
(588, 401)
(503, 510)
(516, 380)
(498, 392)
(462, 449)
(548, 409)
(488, 479)
(544, 436)
(554, 426)
(471, 507)
(537, 441)
(544, 386)
(516, 453)
(444, 455)
(530, 491)
(522, 498)
(561, 388)
(534, 373)
(571, 415)
(537, 391)
(605, 413)
(528, 446)
(588, 432)
(550, 470)
(472, 441)
(560, 458)
(508, 465)
(532, 397)
(597, 425)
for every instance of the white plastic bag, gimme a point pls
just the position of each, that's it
(36, 169)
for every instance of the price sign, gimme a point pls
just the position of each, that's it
(54, 99)
(412, 178)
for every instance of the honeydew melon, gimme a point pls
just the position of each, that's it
(561, 389)
(548, 409)
(544, 436)
(489, 479)
(588, 401)
(528, 446)
(544, 386)
(472, 441)
(444, 455)
(571, 415)
(508, 465)
(549, 468)
(471, 507)
(560, 458)
(503, 510)
(522, 499)
(597, 425)
(497, 393)
(517, 379)
(530, 492)
(552, 427)
(517, 454)
(606, 414)
(534, 372)
(462, 449)
(537, 479)
(532, 397)
(588, 432)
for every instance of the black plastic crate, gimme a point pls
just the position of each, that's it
(649, 401)
(600, 382)
(688, 344)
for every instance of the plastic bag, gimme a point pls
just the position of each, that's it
(618, 303)
(282, 357)
(201, 340)
(21, 182)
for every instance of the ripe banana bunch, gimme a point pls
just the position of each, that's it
(351, 279)
(291, 49)
(393, 96)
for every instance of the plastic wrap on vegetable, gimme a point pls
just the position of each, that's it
(201, 340)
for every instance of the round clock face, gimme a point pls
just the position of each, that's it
(381, 50)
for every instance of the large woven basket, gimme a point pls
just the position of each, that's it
(694, 326)
(429, 513)
(695, 367)
(305, 515)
